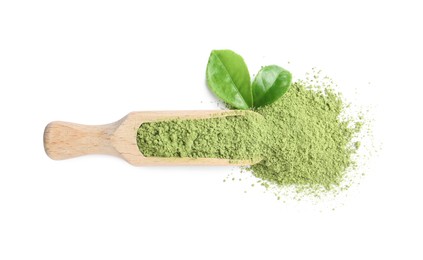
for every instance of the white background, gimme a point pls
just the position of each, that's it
(92, 62)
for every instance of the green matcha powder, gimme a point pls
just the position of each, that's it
(301, 138)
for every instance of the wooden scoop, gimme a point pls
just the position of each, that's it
(64, 140)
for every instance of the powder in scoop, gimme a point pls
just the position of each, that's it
(231, 137)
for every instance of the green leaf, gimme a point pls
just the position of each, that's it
(270, 84)
(229, 79)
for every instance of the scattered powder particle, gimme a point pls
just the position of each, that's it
(304, 139)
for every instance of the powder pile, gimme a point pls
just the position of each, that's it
(303, 140)
(308, 144)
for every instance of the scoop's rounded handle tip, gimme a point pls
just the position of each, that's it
(63, 140)
(48, 141)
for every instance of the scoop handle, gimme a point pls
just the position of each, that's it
(63, 140)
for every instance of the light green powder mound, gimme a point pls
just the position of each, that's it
(232, 137)
(308, 145)
(303, 141)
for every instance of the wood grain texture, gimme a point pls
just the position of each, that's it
(63, 140)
